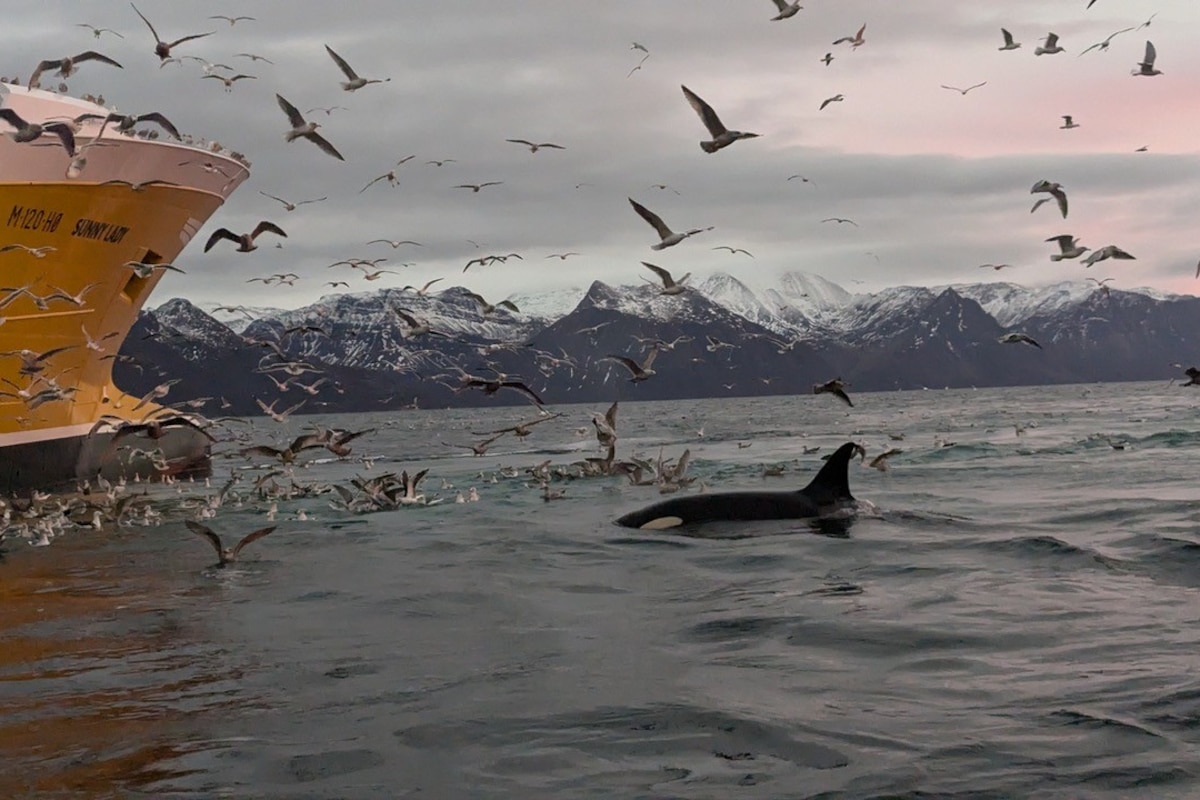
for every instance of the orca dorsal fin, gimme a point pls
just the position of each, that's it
(832, 483)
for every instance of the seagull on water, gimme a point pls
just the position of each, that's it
(1107, 252)
(669, 237)
(721, 136)
(786, 9)
(1055, 190)
(1146, 66)
(1068, 246)
(226, 555)
(304, 129)
(353, 82)
(670, 285)
(1009, 44)
(1049, 47)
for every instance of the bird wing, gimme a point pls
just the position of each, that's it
(1151, 54)
(509, 304)
(92, 55)
(1038, 204)
(841, 394)
(250, 537)
(1064, 240)
(322, 143)
(525, 142)
(653, 354)
(411, 320)
(668, 282)
(64, 133)
(196, 527)
(645, 213)
(707, 115)
(148, 25)
(781, 5)
(633, 367)
(293, 114)
(341, 62)
(267, 226)
(520, 386)
(1008, 38)
(218, 235)
(189, 38)
(12, 117)
(1051, 40)
(1061, 197)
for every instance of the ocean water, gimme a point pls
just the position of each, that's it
(1019, 616)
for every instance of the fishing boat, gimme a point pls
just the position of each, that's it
(73, 229)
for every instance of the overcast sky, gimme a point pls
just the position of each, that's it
(937, 182)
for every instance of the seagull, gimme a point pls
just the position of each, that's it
(1049, 47)
(996, 267)
(245, 241)
(535, 146)
(856, 40)
(1100, 285)
(163, 49)
(670, 285)
(395, 244)
(475, 187)
(288, 206)
(1056, 191)
(67, 65)
(669, 237)
(802, 179)
(641, 47)
(1009, 44)
(1068, 123)
(354, 83)
(227, 555)
(786, 9)
(97, 31)
(486, 308)
(29, 131)
(144, 270)
(562, 256)
(254, 57)
(640, 372)
(1107, 252)
(721, 136)
(840, 220)
(1068, 246)
(837, 98)
(232, 20)
(1018, 338)
(1146, 66)
(880, 461)
(826, 59)
(1145, 24)
(126, 122)
(231, 80)
(836, 387)
(493, 385)
(1193, 377)
(661, 186)
(307, 130)
(389, 176)
(964, 91)
(423, 290)
(733, 250)
(1104, 45)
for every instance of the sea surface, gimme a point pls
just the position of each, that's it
(1018, 617)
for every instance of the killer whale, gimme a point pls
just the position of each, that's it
(828, 492)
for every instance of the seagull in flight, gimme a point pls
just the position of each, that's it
(1068, 123)
(1018, 338)
(30, 131)
(1049, 47)
(721, 136)
(475, 187)
(837, 98)
(964, 91)
(1107, 252)
(856, 40)
(1068, 247)
(670, 285)
(733, 250)
(1056, 191)
(97, 31)
(535, 146)
(289, 206)
(226, 555)
(835, 387)
(669, 237)
(245, 241)
(1104, 44)
(786, 9)
(640, 372)
(840, 220)
(67, 65)
(163, 49)
(303, 129)
(353, 82)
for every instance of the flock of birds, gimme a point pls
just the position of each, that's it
(41, 516)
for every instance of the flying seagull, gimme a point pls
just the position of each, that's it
(245, 241)
(163, 49)
(353, 82)
(640, 372)
(1018, 338)
(304, 129)
(733, 250)
(837, 98)
(964, 91)
(227, 555)
(1055, 190)
(786, 9)
(1146, 66)
(97, 31)
(67, 65)
(670, 285)
(856, 40)
(721, 136)
(840, 220)
(1068, 123)
(1107, 252)
(1009, 44)
(669, 237)
(835, 387)
(29, 131)
(1049, 47)
(1068, 247)
(535, 146)
(289, 206)
(475, 187)
(1104, 44)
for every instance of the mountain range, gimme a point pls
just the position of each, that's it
(728, 336)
